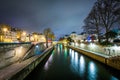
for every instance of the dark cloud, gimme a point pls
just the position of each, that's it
(62, 16)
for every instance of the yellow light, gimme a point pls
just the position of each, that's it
(32, 38)
(5, 29)
(24, 33)
(35, 36)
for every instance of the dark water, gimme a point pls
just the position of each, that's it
(66, 64)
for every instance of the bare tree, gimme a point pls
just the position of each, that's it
(94, 22)
(117, 12)
(47, 33)
(52, 36)
(106, 12)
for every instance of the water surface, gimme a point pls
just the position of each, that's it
(67, 64)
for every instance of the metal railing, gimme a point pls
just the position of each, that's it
(9, 46)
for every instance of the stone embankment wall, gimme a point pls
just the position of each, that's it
(30, 64)
(113, 62)
(12, 53)
(90, 54)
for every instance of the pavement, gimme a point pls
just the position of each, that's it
(7, 72)
(11, 70)
(100, 54)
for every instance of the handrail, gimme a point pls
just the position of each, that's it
(6, 43)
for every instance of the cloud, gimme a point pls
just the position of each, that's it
(62, 16)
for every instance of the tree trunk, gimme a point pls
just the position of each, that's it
(99, 40)
(46, 41)
(107, 39)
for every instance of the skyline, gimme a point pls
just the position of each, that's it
(62, 16)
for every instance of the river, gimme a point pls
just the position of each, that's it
(67, 64)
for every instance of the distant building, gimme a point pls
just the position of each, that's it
(10, 34)
(41, 38)
(73, 36)
(83, 37)
(38, 37)
(5, 31)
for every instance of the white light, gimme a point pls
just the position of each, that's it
(76, 58)
(92, 67)
(81, 40)
(85, 40)
(37, 46)
(82, 45)
(70, 51)
(82, 64)
(48, 63)
(115, 47)
(90, 40)
(81, 60)
(72, 55)
(21, 47)
(92, 70)
(76, 44)
(92, 45)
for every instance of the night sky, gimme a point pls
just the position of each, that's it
(62, 16)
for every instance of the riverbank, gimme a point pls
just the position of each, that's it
(99, 57)
(20, 70)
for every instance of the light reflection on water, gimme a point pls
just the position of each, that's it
(92, 71)
(67, 64)
(82, 66)
(49, 62)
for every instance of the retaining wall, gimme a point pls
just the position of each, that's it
(108, 61)
(30, 64)
(11, 55)
(89, 54)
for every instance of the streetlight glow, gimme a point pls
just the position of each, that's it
(5, 29)
(24, 33)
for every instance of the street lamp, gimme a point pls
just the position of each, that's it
(5, 29)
